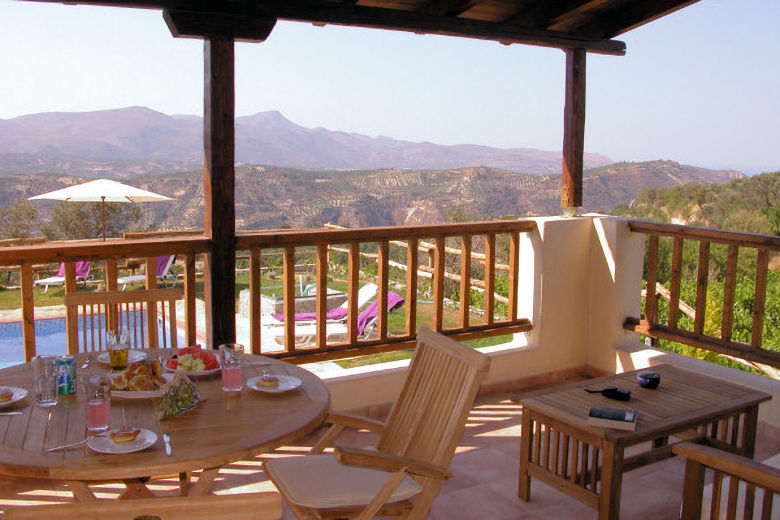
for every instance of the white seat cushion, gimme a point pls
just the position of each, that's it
(321, 482)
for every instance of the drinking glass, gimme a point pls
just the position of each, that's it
(97, 407)
(230, 359)
(46, 376)
(117, 343)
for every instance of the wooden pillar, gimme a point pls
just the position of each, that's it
(219, 212)
(573, 129)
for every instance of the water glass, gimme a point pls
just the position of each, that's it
(97, 406)
(46, 377)
(230, 358)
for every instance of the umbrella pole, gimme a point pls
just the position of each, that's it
(103, 214)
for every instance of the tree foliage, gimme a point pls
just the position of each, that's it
(18, 220)
(82, 220)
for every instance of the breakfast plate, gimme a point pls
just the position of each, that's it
(286, 383)
(19, 394)
(136, 394)
(133, 356)
(104, 444)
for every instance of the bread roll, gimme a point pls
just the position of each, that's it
(124, 435)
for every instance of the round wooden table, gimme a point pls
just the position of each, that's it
(224, 428)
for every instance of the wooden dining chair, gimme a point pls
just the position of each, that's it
(402, 474)
(88, 313)
(741, 488)
(247, 506)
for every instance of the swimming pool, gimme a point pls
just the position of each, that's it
(50, 339)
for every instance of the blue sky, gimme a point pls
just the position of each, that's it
(699, 86)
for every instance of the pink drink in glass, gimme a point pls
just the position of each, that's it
(97, 411)
(231, 378)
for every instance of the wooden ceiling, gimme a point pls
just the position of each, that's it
(585, 24)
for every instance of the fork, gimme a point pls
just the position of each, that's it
(75, 444)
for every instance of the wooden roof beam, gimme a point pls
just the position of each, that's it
(237, 27)
(541, 14)
(345, 13)
(622, 19)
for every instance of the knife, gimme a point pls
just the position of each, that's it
(86, 362)
(167, 441)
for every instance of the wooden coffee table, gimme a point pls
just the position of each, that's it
(223, 428)
(588, 462)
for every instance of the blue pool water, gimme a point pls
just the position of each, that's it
(50, 339)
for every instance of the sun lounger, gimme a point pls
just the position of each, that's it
(164, 264)
(82, 273)
(337, 314)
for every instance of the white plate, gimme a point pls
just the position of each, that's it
(133, 356)
(19, 394)
(104, 444)
(134, 394)
(286, 383)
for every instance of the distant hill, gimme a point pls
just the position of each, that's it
(750, 204)
(137, 140)
(272, 197)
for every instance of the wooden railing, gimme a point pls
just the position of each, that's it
(109, 254)
(387, 245)
(737, 244)
(469, 250)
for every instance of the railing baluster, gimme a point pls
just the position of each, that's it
(729, 286)
(288, 289)
(412, 262)
(255, 303)
(702, 278)
(514, 273)
(28, 311)
(465, 280)
(71, 315)
(190, 321)
(651, 304)
(322, 294)
(759, 302)
(674, 298)
(352, 290)
(438, 285)
(151, 311)
(490, 278)
(383, 273)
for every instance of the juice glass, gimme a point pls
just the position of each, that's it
(230, 359)
(46, 377)
(117, 349)
(97, 407)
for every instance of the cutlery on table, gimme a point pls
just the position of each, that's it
(75, 444)
(86, 362)
(10, 413)
(167, 441)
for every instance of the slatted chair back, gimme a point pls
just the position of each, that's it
(89, 313)
(741, 488)
(249, 506)
(428, 418)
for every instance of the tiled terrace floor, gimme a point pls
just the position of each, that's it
(485, 477)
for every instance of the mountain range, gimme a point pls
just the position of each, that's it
(269, 197)
(136, 140)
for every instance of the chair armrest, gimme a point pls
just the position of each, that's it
(357, 422)
(339, 421)
(378, 460)
(743, 468)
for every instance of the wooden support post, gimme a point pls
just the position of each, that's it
(28, 310)
(573, 129)
(219, 209)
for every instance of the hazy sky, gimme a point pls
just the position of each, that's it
(701, 86)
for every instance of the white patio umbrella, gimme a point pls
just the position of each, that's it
(102, 190)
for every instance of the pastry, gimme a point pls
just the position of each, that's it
(268, 381)
(6, 394)
(141, 383)
(125, 434)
